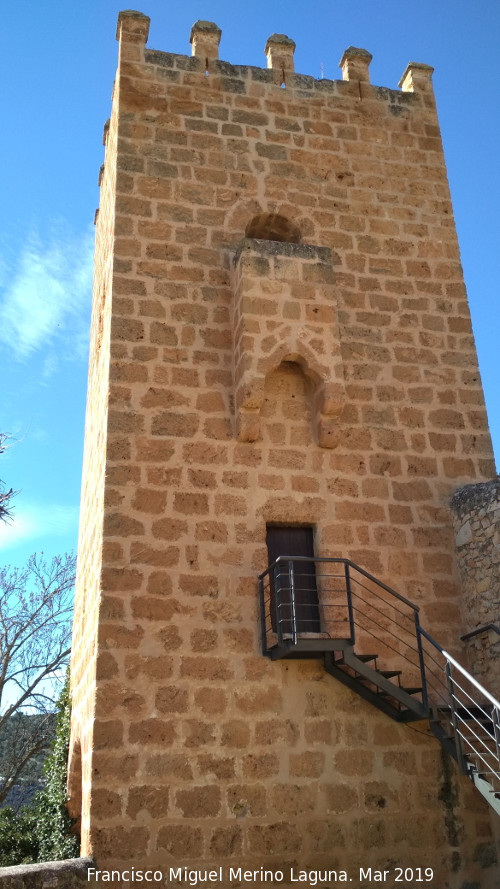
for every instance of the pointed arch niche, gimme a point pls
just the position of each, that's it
(284, 311)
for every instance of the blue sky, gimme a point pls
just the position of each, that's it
(57, 61)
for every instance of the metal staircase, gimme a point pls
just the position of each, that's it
(371, 641)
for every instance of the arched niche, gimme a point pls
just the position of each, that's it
(325, 398)
(287, 412)
(273, 227)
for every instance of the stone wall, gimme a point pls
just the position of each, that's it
(476, 514)
(237, 382)
(90, 537)
(70, 874)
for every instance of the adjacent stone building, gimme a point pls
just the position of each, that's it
(280, 339)
(476, 512)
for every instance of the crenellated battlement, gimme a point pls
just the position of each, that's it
(205, 36)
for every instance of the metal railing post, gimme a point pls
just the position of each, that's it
(495, 715)
(421, 661)
(262, 610)
(350, 611)
(292, 602)
(454, 721)
(277, 603)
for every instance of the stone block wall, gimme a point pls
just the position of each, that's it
(90, 540)
(235, 383)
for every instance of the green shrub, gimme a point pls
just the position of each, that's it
(18, 836)
(55, 839)
(42, 830)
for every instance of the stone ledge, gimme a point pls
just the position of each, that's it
(265, 247)
(67, 874)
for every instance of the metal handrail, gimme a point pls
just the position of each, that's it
(486, 627)
(288, 560)
(452, 705)
(379, 611)
(281, 608)
(471, 679)
(387, 645)
(339, 561)
(461, 703)
(388, 589)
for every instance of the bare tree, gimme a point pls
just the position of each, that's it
(6, 495)
(35, 631)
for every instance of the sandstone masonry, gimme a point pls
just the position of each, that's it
(280, 335)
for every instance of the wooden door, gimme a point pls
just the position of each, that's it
(285, 540)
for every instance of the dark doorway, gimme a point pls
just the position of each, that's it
(285, 540)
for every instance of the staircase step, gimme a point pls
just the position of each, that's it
(374, 686)
(372, 681)
(386, 674)
(364, 658)
(491, 794)
(409, 691)
(481, 748)
(388, 705)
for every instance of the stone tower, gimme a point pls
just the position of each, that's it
(280, 345)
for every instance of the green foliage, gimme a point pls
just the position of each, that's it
(54, 824)
(18, 836)
(41, 831)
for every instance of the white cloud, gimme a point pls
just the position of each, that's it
(45, 298)
(39, 524)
